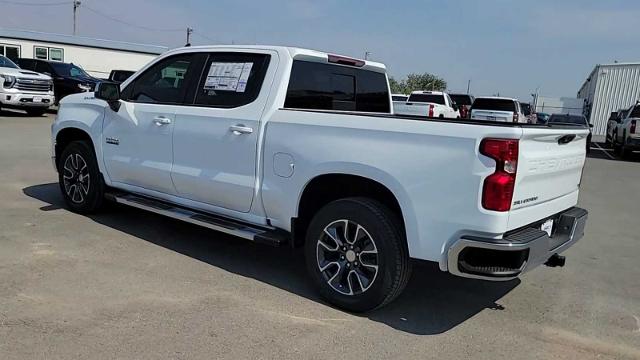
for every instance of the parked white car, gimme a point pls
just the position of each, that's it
(24, 90)
(281, 146)
(626, 134)
(434, 104)
(497, 109)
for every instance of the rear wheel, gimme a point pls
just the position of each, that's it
(356, 253)
(35, 112)
(80, 179)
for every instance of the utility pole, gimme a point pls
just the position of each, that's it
(189, 32)
(468, 86)
(76, 5)
(367, 54)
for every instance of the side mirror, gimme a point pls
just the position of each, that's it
(590, 125)
(109, 92)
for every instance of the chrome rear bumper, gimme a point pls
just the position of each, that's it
(517, 252)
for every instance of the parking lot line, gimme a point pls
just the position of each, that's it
(604, 151)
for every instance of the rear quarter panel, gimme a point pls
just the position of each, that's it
(433, 169)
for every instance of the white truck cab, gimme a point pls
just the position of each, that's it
(434, 104)
(24, 90)
(501, 109)
(288, 146)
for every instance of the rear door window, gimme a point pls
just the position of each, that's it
(231, 79)
(319, 86)
(495, 104)
(27, 64)
(427, 98)
(462, 99)
(43, 68)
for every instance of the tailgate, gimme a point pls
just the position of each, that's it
(491, 115)
(549, 172)
(413, 109)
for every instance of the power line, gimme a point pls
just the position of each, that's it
(35, 4)
(127, 23)
(205, 37)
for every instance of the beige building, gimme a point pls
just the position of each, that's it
(96, 56)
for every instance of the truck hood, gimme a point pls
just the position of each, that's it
(24, 74)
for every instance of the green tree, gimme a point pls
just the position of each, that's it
(397, 87)
(425, 81)
(416, 82)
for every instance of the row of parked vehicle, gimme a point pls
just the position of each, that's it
(440, 104)
(34, 85)
(437, 104)
(621, 130)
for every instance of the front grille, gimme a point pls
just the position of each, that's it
(33, 85)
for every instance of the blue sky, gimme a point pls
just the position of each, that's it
(509, 47)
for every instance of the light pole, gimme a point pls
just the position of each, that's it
(76, 5)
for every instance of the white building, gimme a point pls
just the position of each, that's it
(559, 105)
(608, 88)
(96, 56)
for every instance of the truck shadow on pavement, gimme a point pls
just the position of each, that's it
(433, 302)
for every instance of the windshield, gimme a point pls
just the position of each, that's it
(427, 98)
(63, 69)
(5, 62)
(568, 119)
(494, 104)
(462, 99)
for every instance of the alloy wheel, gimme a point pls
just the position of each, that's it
(347, 257)
(76, 178)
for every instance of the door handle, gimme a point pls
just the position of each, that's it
(240, 129)
(161, 120)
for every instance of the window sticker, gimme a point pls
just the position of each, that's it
(228, 76)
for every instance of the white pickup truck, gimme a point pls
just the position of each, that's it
(24, 90)
(434, 104)
(290, 146)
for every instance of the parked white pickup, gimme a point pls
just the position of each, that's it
(434, 104)
(24, 90)
(283, 145)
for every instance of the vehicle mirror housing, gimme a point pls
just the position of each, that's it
(109, 92)
(590, 125)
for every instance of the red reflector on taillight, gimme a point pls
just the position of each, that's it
(632, 129)
(431, 110)
(497, 192)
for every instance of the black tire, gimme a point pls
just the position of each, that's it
(82, 187)
(624, 154)
(384, 229)
(614, 144)
(35, 112)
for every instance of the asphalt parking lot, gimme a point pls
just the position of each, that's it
(132, 285)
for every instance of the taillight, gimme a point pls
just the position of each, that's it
(497, 192)
(632, 129)
(431, 106)
(516, 117)
(342, 60)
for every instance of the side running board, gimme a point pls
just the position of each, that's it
(265, 235)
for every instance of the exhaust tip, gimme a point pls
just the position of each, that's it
(556, 261)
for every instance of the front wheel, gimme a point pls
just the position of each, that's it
(357, 255)
(79, 177)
